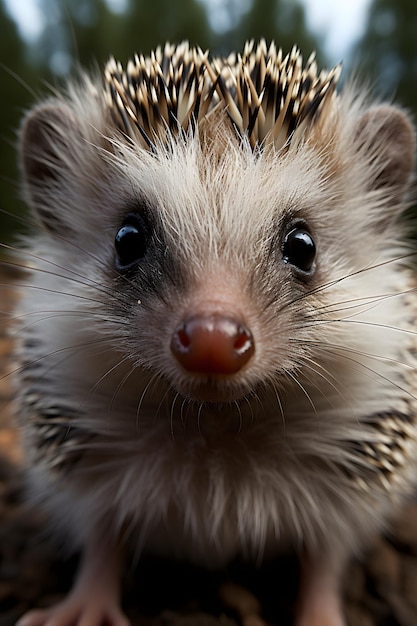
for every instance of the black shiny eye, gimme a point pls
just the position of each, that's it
(131, 241)
(299, 249)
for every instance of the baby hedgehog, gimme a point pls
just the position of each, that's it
(216, 346)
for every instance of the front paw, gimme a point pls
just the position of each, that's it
(72, 612)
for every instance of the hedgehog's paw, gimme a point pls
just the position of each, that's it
(95, 597)
(71, 612)
(322, 617)
(319, 601)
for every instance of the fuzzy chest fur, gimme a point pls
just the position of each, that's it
(207, 483)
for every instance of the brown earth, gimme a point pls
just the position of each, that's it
(381, 590)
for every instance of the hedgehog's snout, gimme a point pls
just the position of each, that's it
(212, 344)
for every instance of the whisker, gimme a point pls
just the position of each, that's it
(325, 375)
(239, 412)
(151, 381)
(341, 352)
(327, 285)
(250, 405)
(182, 417)
(358, 272)
(110, 371)
(20, 80)
(303, 389)
(164, 397)
(200, 408)
(59, 292)
(364, 301)
(13, 331)
(70, 348)
(350, 349)
(171, 416)
(406, 331)
(275, 389)
(79, 279)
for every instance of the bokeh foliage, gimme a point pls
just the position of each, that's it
(388, 50)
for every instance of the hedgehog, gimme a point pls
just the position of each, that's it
(216, 331)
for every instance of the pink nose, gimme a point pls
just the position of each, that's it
(212, 344)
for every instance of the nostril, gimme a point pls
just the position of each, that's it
(243, 340)
(212, 344)
(183, 338)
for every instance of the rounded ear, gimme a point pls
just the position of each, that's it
(45, 141)
(387, 135)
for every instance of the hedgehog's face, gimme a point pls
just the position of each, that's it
(215, 257)
(215, 263)
(212, 330)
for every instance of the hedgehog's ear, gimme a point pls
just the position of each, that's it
(387, 135)
(44, 150)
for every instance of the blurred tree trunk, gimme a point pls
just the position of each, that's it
(386, 58)
(19, 79)
(387, 52)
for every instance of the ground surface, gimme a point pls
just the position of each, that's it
(380, 591)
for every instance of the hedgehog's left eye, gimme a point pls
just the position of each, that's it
(131, 241)
(299, 249)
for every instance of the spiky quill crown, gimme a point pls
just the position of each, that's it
(267, 96)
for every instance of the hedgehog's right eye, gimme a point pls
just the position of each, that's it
(131, 241)
(299, 249)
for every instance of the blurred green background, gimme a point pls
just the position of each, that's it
(86, 32)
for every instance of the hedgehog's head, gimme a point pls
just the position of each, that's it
(231, 197)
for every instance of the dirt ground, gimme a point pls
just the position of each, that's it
(381, 590)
